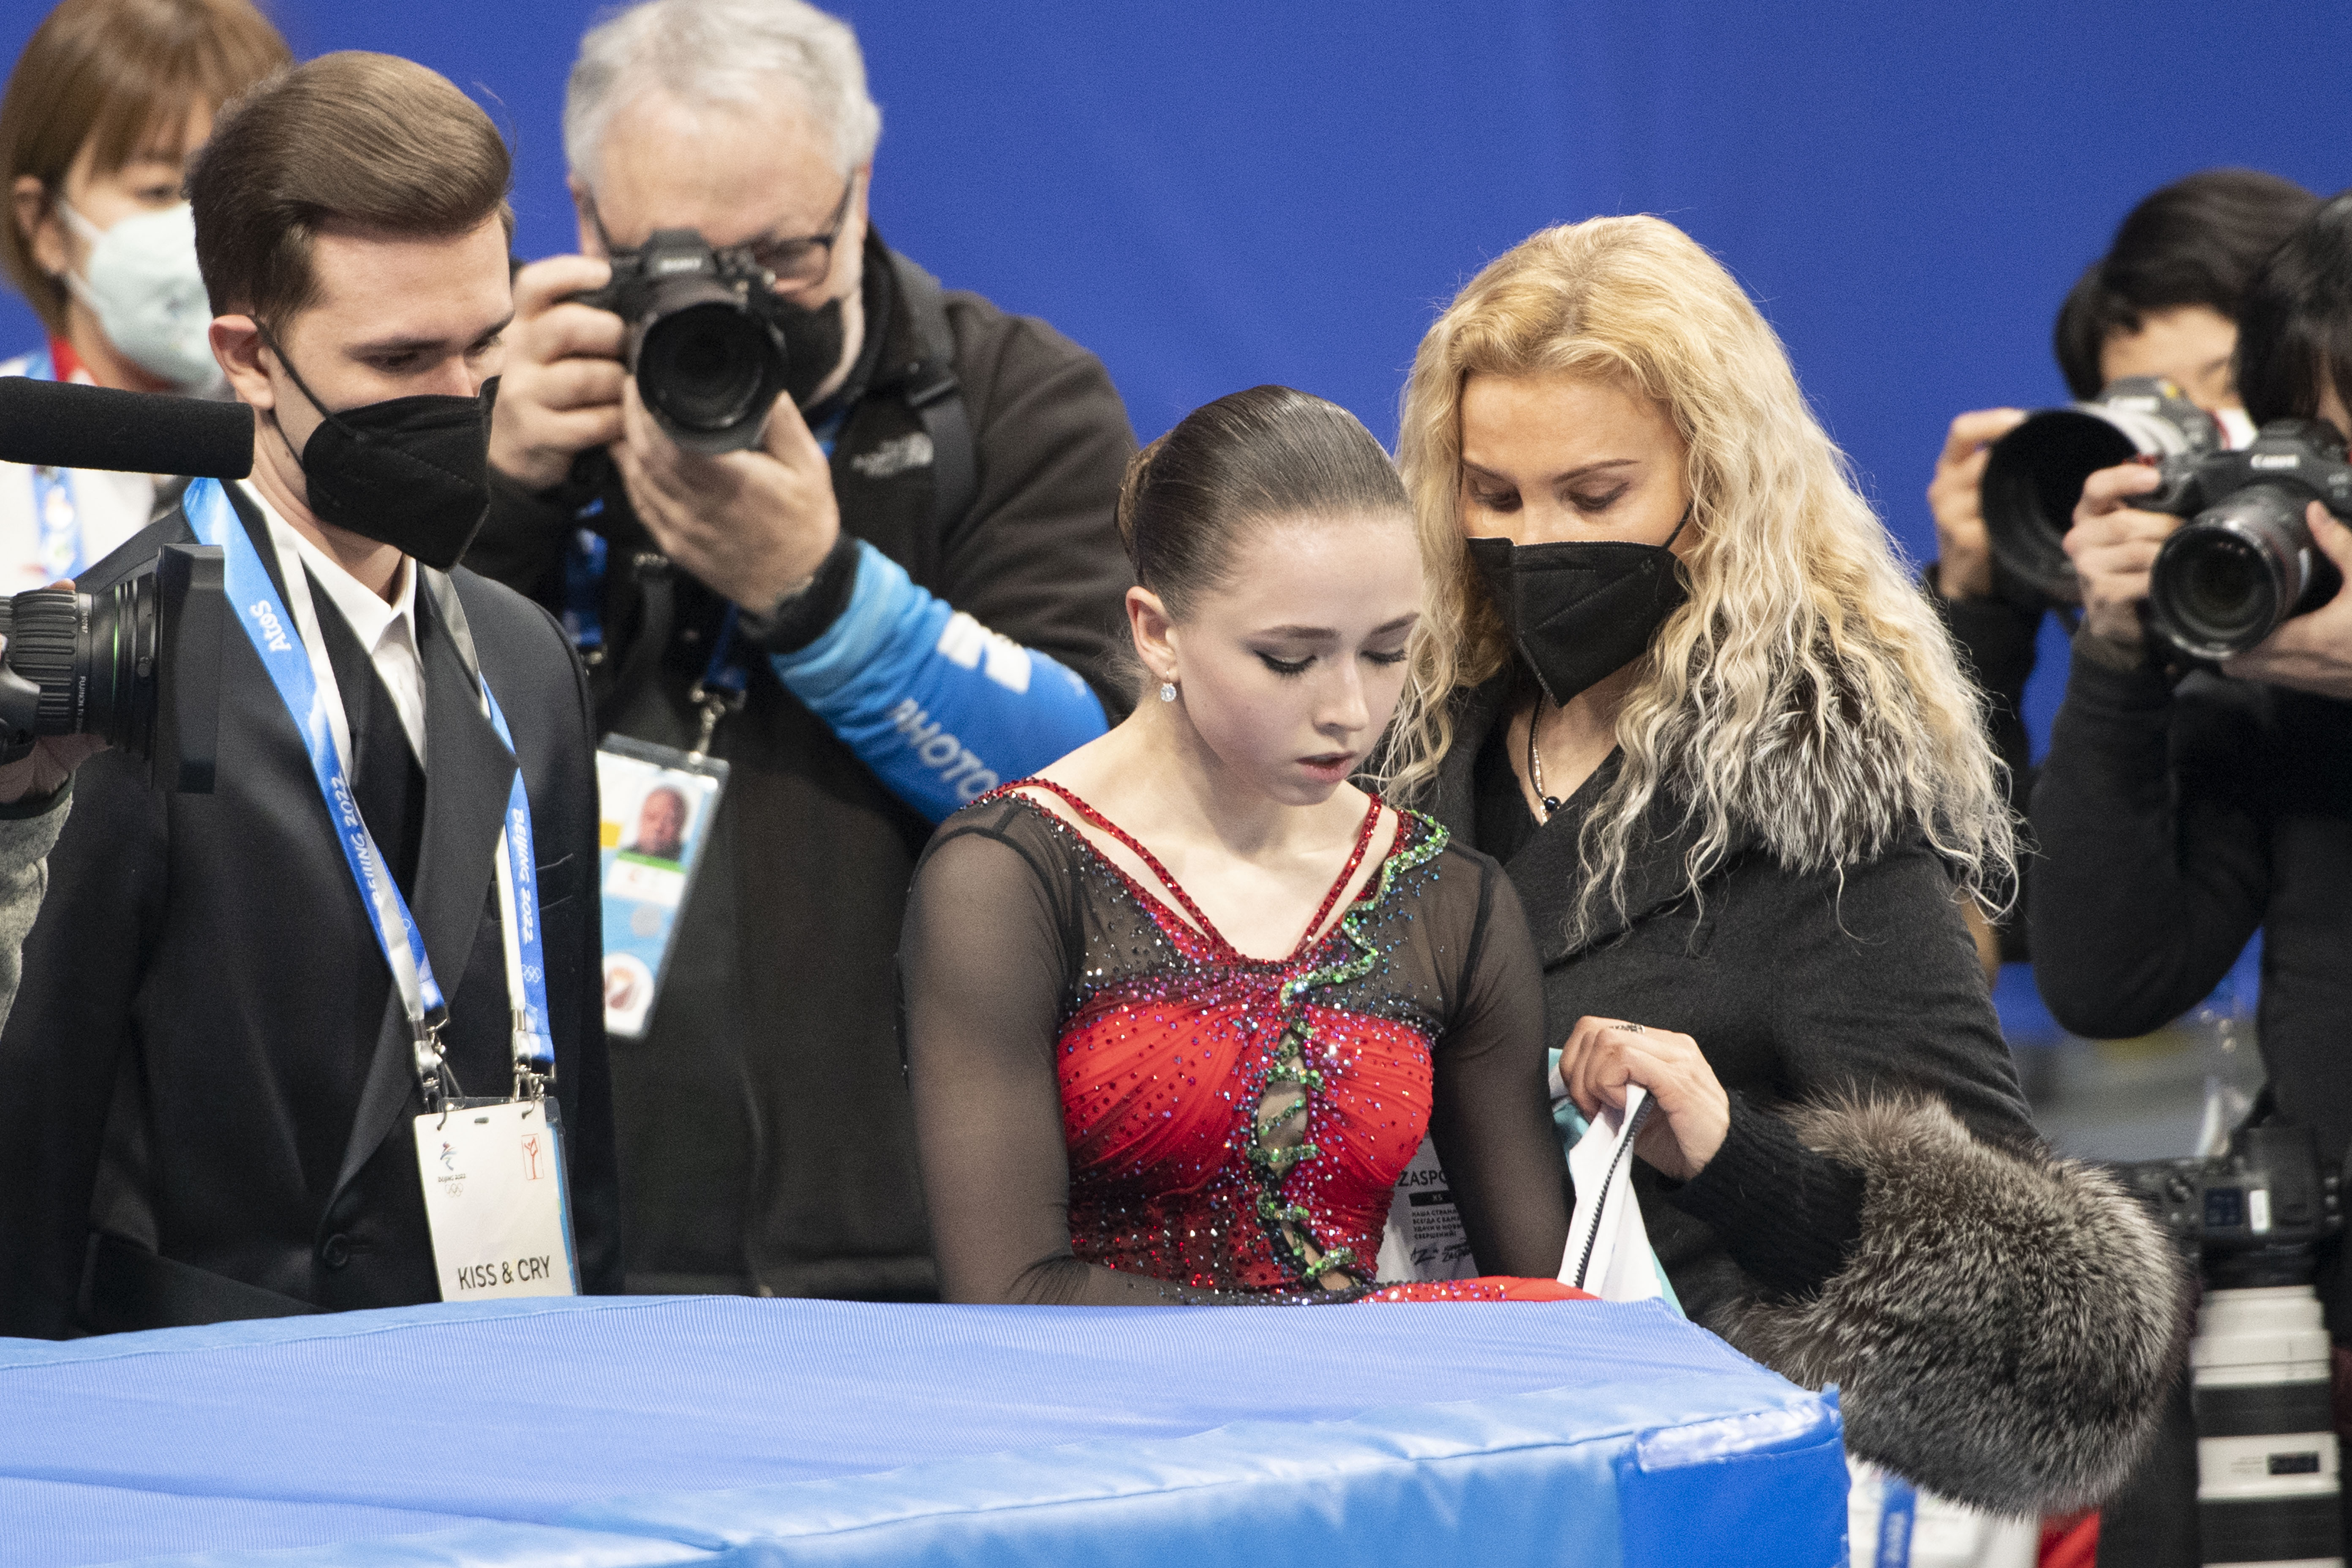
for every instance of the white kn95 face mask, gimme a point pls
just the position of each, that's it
(143, 283)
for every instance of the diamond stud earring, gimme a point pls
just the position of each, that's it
(1166, 691)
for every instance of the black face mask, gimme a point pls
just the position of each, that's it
(1581, 609)
(812, 342)
(410, 472)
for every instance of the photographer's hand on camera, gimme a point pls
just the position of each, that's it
(2313, 652)
(560, 389)
(752, 526)
(2112, 545)
(1604, 1056)
(1955, 495)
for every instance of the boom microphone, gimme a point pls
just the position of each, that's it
(64, 425)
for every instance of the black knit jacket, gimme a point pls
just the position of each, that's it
(1798, 989)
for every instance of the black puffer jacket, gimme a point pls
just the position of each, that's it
(766, 1140)
(1881, 1213)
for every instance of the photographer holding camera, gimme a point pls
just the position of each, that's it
(2180, 813)
(231, 1042)
(805, 512)
(2163, 301)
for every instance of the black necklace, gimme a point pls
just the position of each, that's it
(1551, 803)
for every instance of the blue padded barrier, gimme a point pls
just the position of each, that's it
(614, 1433)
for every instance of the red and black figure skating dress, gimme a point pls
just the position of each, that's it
(1115, 1105)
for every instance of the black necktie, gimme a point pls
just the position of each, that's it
(386, 779)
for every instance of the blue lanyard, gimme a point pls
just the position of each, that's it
(269, 628)
(1898, 1511)
(723, 673)
(584, 585)
(56, 517)
(534, 1039)
(587, 555)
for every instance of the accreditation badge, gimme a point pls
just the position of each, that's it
(496, 1200)
(658, 803)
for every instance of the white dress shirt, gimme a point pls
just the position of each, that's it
(387, 631)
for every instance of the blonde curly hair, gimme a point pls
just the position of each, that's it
(1807, 693)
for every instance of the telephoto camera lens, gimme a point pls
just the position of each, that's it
(91, 657)
(2268, 1487)
(2033, 476)
(2225, 581)
(2267, 1466)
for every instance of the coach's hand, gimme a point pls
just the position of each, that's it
(1694, 1115)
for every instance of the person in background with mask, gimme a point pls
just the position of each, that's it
(2162, 302)
(103, 110)
(240, 1014)
(1730, 762)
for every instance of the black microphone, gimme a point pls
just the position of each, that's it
(64, 425)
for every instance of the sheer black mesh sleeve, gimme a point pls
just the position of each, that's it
(983, 962)
(1490, 1115)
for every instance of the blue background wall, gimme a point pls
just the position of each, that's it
(1215, 194)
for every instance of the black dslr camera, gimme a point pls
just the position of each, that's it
(708, 360)
(2033, 476)
(137, 665)
(2250, 1221)
(2249, 1217)
(2244, 562)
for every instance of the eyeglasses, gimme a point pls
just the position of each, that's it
(795, 263)
(790, 263)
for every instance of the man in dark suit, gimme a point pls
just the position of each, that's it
(208, 1084)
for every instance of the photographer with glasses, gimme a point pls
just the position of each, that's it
(2178, 812)
(897, 592)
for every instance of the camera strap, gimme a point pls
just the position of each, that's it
(938, 400)
(317, 710)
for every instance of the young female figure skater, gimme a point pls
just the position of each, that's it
(1179, 1010)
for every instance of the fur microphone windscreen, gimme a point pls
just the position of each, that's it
(2006, 1328)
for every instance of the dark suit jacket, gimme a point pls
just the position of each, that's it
(1797, 989)
(206, 1085)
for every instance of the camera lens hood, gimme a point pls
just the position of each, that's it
(2033, 476)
